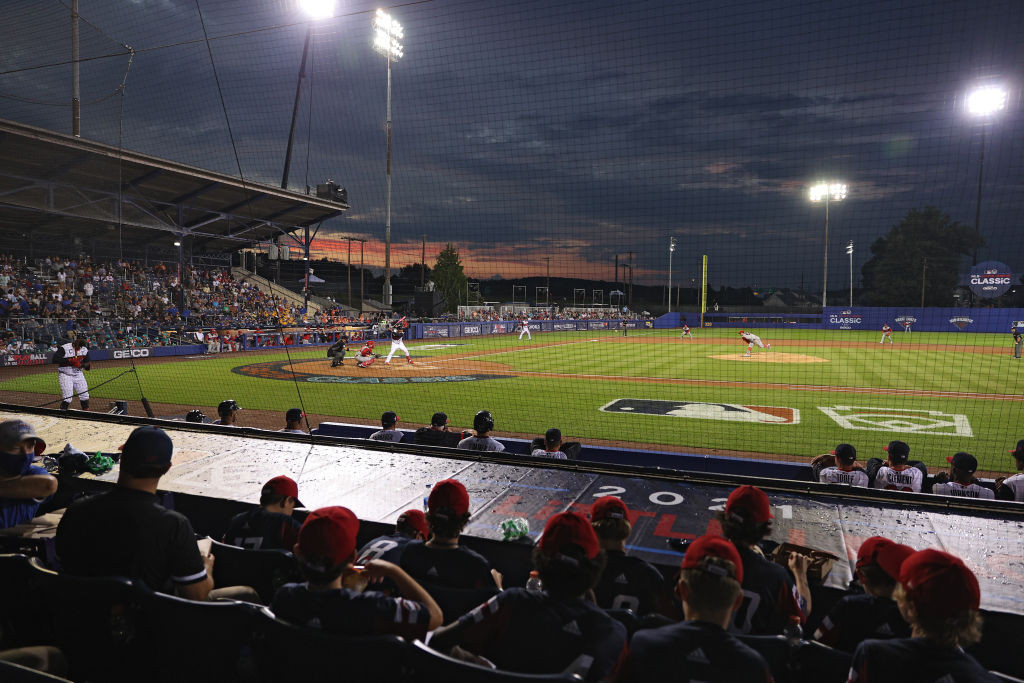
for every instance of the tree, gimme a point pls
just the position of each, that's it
(927, 247)
(449, 277)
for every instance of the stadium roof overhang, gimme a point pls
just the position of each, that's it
(55, 186)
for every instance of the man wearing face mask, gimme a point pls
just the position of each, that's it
(23, 486)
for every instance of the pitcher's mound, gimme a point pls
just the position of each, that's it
(772, 357)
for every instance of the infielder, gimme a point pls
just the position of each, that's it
(686, 333)
(398, 340)
(71, 359)
(524, 328)
(752, 339)
(366, 356)
(886, 334)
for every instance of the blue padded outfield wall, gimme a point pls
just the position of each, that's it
(996, 320)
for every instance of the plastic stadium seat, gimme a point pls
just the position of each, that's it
(430, 665)
(813, 661)
(263, 570)
(454, 602)
(777, 652)
(15, 673)
(1006, 678)
(294, 653)
(627, 618)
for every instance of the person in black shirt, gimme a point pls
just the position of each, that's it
(270, 526)
(411, 526)
(939, 597)
(337, 351)
(700, 648)
(872, 614)
(627, 582)
(437, 433)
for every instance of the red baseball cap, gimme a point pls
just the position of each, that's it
(328, 533)
(608, 507)
(416, 519)
(714, 546)
(283, 486)
(449, 493)
(569, 527)
(939, 584)
(749, 502)
(885, 554)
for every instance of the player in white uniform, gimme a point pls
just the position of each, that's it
(398, 341)
(1012, 488)
(896, 474)
(686, 332)
(71, 359)
(524, 328)
(841, 468)
(886, 334)
(752, 339)
(960, 480)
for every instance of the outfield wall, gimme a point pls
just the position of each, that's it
(990, 320)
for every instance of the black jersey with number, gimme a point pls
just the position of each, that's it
(692, 651)
(630, 583)
(914, 659)
(457, 567)
(856, 618)
(259, 529)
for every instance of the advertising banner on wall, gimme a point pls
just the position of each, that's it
(990, 279)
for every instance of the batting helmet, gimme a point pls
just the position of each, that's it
(741, 331)
(370, 343)
(227, 407)
(195, 416)
(483, 421)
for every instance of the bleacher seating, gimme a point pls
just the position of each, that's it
(263, 570)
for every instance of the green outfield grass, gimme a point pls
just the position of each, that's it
(566, 385)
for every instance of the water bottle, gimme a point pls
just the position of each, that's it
(534, 583)
(793, 632)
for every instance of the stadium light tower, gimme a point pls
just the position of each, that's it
(827, 192)
(671, 248)
(387, 40)
(849, 251)
(983, 104)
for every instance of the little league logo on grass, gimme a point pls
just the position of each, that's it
(899, 420)
(729, 412)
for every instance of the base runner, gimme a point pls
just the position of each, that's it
(752, 339)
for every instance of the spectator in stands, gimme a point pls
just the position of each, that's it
(388, 432)
(441, 560)
(270, 525)
(873, 613)
(552, 446)
(483, 424)
(23, 486)
(1012, 487)
(545, 631)
(227, 411)
(960, 480)
(411, 526)
(437, 433)
(293, 421)
(839, 467)
(939, 597)
(627, 582)
(700, 648)
(897, 474)
(326, 552)
(772, 594)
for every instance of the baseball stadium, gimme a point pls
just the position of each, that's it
(741, 281)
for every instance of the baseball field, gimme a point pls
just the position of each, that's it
(939, 392)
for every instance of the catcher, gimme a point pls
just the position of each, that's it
(337, 351)
(366, 356)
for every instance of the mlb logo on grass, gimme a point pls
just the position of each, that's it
(899, 420)
(730, 412)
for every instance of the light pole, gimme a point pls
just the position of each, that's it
(827, 192)
(387, 41)
(671, 248)
(849, 251)
(982, 103)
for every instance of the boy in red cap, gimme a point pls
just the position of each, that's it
(442, 561)
(271, 525)
(873, 613)
(411, 525)
(939, 597)
(326, 550)
(627, 582)
(700, 648)
(544, 631)
(771, 594)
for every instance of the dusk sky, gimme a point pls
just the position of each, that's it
(576, 130)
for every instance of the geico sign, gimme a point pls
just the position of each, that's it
(131, 353)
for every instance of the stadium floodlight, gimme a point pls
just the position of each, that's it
(317, 9)
(827, 192)
(849, 251)
(671, 248)
(982, 103)
(387, 40)
(177, 243)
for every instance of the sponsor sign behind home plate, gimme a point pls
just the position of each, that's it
(899, 420)
(730, 412)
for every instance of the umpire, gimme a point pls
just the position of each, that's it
(337, 351)
(1018, 342)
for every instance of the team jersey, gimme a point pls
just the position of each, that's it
(552, 455)
(532, 632)
(856, 618)
(384, 548)
(770, 596)
(914, 660)
(62, 358)
(837, 475)
(630, 583)
(749, 337)
(457, 567)
(906, 478)
(436, 437)
(392, 435)
(348, 613)
(692, 651)
(886, 329)
(1016, 484)
(259, 529)
(398, 334)
(954, 488)
(475, 443)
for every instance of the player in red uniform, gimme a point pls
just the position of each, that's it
(366, 356)
(886, 334)
(686, 332)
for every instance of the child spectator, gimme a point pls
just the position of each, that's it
(960, 480)
(410, 526)
(270, 525)
(388, 421)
